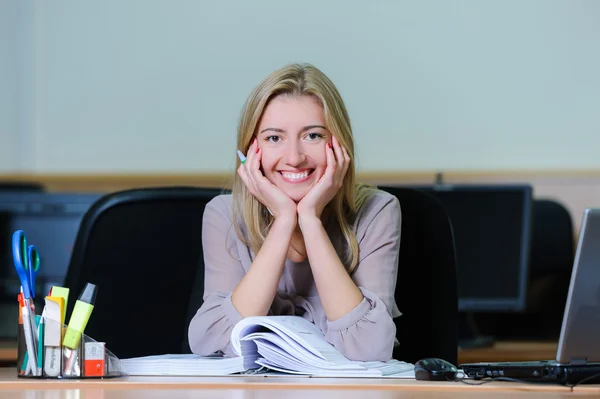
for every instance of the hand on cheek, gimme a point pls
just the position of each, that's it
(279, 204)
(329, 184)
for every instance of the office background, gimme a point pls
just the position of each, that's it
(482, 90)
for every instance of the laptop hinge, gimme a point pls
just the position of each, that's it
(578, 361)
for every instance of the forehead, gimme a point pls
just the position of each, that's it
(292, 111)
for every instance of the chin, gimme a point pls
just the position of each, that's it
(296, 195)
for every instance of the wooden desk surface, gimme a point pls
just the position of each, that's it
(238, 387)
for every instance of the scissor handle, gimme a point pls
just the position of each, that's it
(33, 259)
(19, 247)
(20, 258)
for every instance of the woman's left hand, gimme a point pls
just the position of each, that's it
(329, 184)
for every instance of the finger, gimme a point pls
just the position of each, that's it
(337, 149)
(347, 160)
(254, 165)
(331, 164)
(243, 174)
(250, 161)
(262, 183)
(342, 165)
(250, 154)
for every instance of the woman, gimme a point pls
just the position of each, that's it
(298, 236)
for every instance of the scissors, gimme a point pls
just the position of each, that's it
(27, 262)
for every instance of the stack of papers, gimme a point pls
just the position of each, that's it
(184, 365)
(271, 345)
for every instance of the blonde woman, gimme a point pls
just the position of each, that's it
(298, 236)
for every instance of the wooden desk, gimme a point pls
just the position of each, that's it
(509, 352)
(270, 387)
(241, 387)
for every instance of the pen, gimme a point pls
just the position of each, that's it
(241, 156)
(29, 337)
(40, 347)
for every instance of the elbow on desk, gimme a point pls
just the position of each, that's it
(374, 342)
(202, 341)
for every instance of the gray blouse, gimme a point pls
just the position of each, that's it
(366, 333)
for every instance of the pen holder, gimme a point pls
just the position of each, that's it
(49, 349)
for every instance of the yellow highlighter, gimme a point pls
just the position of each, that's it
(80, 316)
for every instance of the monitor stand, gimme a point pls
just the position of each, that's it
(468, 334)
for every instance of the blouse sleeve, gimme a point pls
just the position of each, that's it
(368, 332)
(210, 328)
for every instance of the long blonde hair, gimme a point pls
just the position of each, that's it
(297, 80)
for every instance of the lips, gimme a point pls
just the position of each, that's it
(296, 177)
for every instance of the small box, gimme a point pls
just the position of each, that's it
(94, 359)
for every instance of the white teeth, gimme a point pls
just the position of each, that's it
(294, 176)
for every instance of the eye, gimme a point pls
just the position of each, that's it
(314, 136)
(273, 139)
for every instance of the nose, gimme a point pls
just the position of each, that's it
(294, 155)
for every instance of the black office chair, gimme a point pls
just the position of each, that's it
(143, 250)
(426, 291)
(551, 257)
(550, 265)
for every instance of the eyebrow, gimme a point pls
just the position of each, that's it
(305, 128)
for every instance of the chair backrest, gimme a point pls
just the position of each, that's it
(426, 291)
(143, 250)
(550, 264)
(552, 239)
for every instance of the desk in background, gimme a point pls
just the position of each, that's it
(509, 351)
(8, 353)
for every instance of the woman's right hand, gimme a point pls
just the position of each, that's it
(277, 202)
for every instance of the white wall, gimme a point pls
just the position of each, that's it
(8, 86)
(156, 86)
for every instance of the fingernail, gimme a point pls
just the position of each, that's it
(241, 156)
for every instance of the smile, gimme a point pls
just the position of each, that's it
(296, 177)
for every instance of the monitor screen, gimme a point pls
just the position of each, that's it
(51, 222)
(491, 226)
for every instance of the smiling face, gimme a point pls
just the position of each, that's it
(292, 137)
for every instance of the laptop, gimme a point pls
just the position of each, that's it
(578, 352)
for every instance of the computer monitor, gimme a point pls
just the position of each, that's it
(51, 222)
(492, 227)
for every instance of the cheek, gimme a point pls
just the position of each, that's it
(268, 162)
(321, 158)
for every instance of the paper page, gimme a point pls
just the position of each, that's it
(282, 343)
(272, 343)
(295, 327)
(296, 345)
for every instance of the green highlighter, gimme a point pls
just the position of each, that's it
(80, 316)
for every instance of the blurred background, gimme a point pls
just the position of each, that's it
(479, 90)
